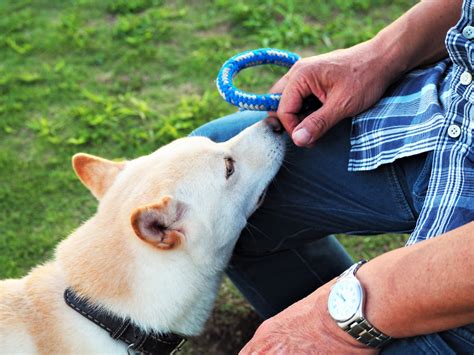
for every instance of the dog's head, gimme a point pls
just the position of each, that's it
(192, 195)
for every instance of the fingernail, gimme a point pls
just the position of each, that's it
(301, 136)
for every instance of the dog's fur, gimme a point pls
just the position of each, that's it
(155, 250)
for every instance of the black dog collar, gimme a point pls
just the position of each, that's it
(122, 329)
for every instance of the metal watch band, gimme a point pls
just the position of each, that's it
(353, 269)
(360, 328)
(367, 334)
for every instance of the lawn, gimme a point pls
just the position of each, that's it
(119, 79)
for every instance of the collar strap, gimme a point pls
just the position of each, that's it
(124, 330)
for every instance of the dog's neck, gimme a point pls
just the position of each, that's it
(157, 290)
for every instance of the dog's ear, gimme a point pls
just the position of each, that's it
(95, 173)
(155, 223)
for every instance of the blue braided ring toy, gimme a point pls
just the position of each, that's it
(248, 101)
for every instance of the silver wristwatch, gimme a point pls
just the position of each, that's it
(346, 307)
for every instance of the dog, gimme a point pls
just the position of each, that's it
(152, 257)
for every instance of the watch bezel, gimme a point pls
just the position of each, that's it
(357, 308)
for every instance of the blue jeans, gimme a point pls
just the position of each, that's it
(287, 251)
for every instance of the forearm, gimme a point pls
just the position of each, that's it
(424, 288)
(417, 37)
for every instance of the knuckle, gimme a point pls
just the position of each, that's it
(305, 73)
(285, 117)
(298, 63)
(301, 71)
(281, 111)
(265, 327)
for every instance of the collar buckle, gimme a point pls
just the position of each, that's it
(131, 350)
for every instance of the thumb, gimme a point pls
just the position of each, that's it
(316, 125)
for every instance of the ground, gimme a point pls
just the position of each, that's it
(119, 79)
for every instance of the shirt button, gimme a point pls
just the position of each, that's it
(454, 131)
(468, 32)
(466, 78)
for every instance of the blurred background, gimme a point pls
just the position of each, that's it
(121, 78)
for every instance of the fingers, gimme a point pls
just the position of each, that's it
(291, 101)
(278, 88)
(280, 85)
(316, 125)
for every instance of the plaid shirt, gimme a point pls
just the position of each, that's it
(430, 109)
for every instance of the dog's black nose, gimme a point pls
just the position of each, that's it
(275, 124)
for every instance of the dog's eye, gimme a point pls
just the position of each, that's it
(229, 167)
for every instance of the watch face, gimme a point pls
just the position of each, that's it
(344, 299)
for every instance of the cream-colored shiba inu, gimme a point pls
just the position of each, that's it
(154, 252)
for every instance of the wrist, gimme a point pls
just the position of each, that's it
(381, 309)
(421, 289)
(346, 305)
(389, 58)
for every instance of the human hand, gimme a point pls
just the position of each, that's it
(346, 81)
(304, 328)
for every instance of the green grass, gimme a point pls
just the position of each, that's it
(120, 78)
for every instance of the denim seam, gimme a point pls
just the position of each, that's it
(308, 266)
(422, 176)
(400, 196)
(282, 241)
(256, 292)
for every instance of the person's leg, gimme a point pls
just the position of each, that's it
(225, 128)
(279, 258)
(450, 342)
(284, 253)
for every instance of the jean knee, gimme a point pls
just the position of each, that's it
(224, 128)
(211, 130)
